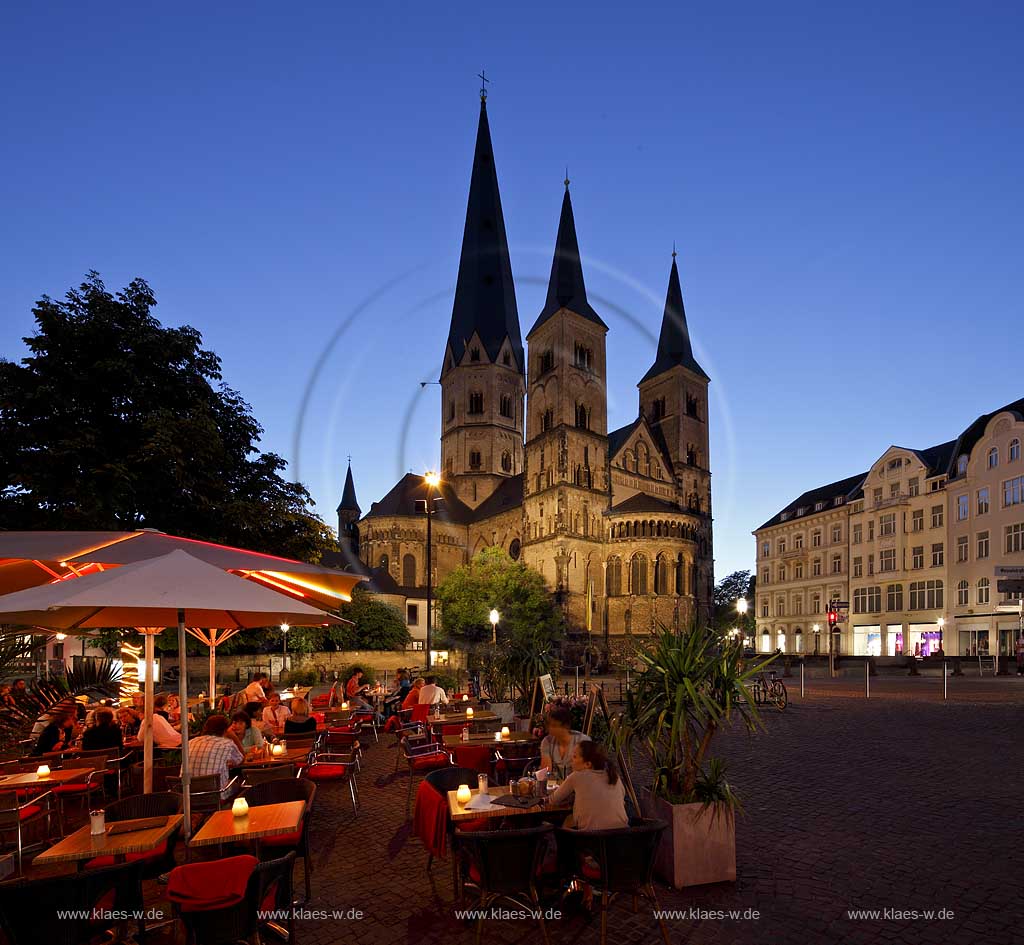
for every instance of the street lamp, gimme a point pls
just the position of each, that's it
(817, 637)
(941, 622)
(284, 636)
(495, 617)
(429, 507)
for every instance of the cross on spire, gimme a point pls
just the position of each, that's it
(482, 76)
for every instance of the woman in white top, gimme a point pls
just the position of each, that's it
(599, 800)
(556, 750)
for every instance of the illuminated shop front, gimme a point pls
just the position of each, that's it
(923, 639)
(974, 641)
(867, 640)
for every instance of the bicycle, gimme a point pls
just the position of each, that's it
(767, 687)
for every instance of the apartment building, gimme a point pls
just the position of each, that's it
(913, 546)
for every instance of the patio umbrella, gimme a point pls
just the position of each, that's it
(173, 589)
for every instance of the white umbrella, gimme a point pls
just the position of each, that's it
(173, 589)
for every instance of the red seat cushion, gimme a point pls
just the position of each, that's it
(269, 903)
(157, 853)
(326, 772)
(74, 788)
(29, 811)
(589, 868)
(431, 761)
(283, 839)
(218, 884)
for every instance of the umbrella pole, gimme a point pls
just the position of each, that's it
(213, 671)
(147, 742)
(186, 779)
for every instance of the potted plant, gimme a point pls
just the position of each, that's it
(690, 686)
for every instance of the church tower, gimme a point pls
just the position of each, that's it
(348, 519)
(566, 485)
(483, 375)
(674, 400)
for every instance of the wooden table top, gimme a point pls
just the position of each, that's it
(264, 821)
(82, 845)
(290, 757)
(56, 776)
(487, 738)
(458, 812)
(460, 718)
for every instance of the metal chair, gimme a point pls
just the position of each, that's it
(421, 759)
(255, 776)
(327, 766)
(17, 813)
(513, 758)
(205, 793)
(80, 790)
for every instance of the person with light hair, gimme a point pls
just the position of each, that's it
(300, 720)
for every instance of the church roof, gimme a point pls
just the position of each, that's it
(401, 500)
(641, 502)
(378, 581)
(674, 346)
(485, 296)
(566, 288)
(617, 438)
(508, 495)
(348, 495)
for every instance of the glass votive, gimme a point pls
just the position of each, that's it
(277, 750)
(481, 783)
(469, 713)
(97, 823)
(240, 807)
(497, 736)
(504, 731)
(465, 697)
(344, 706)
(43, 770)
(463, 794)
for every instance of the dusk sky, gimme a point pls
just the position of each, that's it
(843, 184)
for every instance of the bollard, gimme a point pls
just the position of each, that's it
(867, 680)
(944, 667)
(801, 679)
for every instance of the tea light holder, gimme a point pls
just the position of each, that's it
(43, 770)
(504, 731)
(469, 713)
(497, 736)
(465, 697)
(463, 795)
(240, 808)
(277, 750)
(344, 707)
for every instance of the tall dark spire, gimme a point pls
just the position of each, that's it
(674, 344)
(566, 288)
(485, 297)
(348, 495)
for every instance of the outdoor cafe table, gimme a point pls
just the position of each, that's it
(459, 812)
(267, 820)
(291, 756)
(33, 779)
(487, 738)
(460, 718)
(82, 845)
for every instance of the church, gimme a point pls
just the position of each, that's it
(618, 522)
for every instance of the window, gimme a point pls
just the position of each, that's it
(858, 567)
(658, 410)
(782, 573)
(937, 555)
(858, 534)
(917, 557)
(547, 362)
(780, 607)
(638, 575)
(766, 549)
(474, 354)
(983, 590)
(1014, 450)
(926, 595)
(798, 541)
(982, 545)
(514, 549)
(894, 597)
(961, 466)
(837, 564)
(815, 603)
(837, 534)
(547, 420)
(383, 563)
(798, 571)
(937, 516)
(505, 406)
(816, 538)
(816, 567)
(887, 560)
(412, 614)
(764, 607)
(416, 645)
(914, 486)
(983, 501)
(614, 577)
(474, 459)
(993, 458)
(1014, 538)
(962, 593)
(451, 410)
(782, 546)
(1013, 490)
(818, 506)
(582, 417)
(871, 529)
(765, 576)
(871, 564)
(583, 357)
(660, 575)
(506, 359)
(877, 495)
(867, 600)
(887, 524)
(894, 490)
(839, 500)
(506, 461)
(798, 605)
(963, 507)
(409, 570)
(476, 402)
(917, 520)
(962, 548)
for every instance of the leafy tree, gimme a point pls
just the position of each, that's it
(733, 587)
(378, 626)
(114, 421)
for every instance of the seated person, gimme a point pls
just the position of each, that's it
(255, 694)
(7, 700)
(60, 734)
(213, 752)
(355, 690)
(556, 750)
(164, 734)
(129, 720)
(394, 699)
(300, 720)
(599, 799)
(226, 701)
(412, 697)
(275, 714)
(103, 733)
(250, 737)
(432, 693)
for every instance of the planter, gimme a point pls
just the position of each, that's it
(503, 710)
(699, 845)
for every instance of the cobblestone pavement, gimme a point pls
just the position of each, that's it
(898, 803)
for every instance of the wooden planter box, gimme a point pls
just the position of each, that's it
(699, 845)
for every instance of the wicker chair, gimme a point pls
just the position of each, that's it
(160, 859)
(280, 792)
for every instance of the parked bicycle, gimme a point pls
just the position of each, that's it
(768, 688)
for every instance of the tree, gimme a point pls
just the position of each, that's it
(733, 587)
(114, 421)
(378, 626)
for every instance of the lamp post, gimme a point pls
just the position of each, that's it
(494, 618)
(742, 606)
(941, 622)
(284, 636)
(817, 637)
(428, 506)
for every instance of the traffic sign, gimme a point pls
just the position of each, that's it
(1010, 571)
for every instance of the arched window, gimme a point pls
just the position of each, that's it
(798, 640)
(614, 577)
(409, 570)
(638, 575)
(514, 549)
(506, 461)
(1014, 449)
(582, 417)
(962, 590)
(993, 458)
(680, 575)
(660, 575)
(781, 641)
(476, 402)
(766, 642)
(961, 466)
(984, 589)
(383, 563)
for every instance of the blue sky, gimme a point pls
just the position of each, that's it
(842, 182)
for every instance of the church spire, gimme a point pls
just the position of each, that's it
(348, 495)
(566, 288)
(485, 297)
(674, 346)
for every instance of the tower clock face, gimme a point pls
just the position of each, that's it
(513, 549)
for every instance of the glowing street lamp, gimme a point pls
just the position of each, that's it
(941, 622)
(495, 617)
(284, 636)
(429, 507)
(817, 637)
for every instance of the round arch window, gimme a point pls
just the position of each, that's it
(514, 549)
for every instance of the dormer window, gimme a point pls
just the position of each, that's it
(506, 359)
(474, 354)
(961, 466)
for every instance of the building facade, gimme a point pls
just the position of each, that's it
(913, 546)
(618, 522)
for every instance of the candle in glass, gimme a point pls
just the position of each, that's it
(497, 736)
(463, 794)
(240, 807)
(43, 770)
(469, 713)
(504, 731)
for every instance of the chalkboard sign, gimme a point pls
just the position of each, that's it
(547, 687)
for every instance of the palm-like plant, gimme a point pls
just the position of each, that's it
(691, 686)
